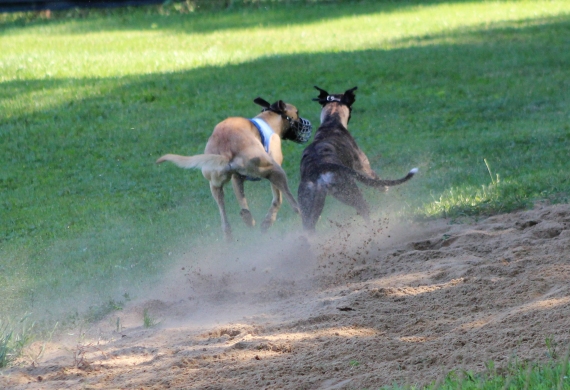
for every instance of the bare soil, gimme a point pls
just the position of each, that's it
(356, 307)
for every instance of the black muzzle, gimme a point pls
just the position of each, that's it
(301, 130)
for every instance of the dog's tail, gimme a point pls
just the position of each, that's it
(371, 182)
(199, 161)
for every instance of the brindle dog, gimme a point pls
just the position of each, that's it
(248, 149)
(332, 163)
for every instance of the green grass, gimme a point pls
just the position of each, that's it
(88, 104)
(546, 376)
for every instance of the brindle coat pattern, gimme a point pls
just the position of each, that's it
(235, 151)
(333, 163)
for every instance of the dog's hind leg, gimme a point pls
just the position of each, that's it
(275, 206)
(311, 201)
(278, 178)
(237, 183)
(349, 194)
(218, 194)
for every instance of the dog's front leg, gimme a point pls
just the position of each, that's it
(237, 183)
(275, 206)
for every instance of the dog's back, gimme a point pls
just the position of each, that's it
(332, 144)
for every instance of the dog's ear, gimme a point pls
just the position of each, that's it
(349, 96)
(262, 102)
(322, 96)
(279, 106)
(351, 91)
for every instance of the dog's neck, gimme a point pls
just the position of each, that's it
(275, 121)
(335, 112)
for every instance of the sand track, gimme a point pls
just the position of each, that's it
(360, 308)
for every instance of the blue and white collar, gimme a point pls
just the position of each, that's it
(265, 131)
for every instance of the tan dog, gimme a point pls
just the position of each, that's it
(249, 149)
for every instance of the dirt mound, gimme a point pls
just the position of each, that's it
(362, 307)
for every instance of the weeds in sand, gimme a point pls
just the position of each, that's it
(79, 354)
(79, 360)
(6, 350)
(13, 340)
(551, 347)
(148, 320)
(81, 349)
(97, 313)
(354, 363)
(118, 325)
(34, 356)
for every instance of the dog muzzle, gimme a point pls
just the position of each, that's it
(302, 130)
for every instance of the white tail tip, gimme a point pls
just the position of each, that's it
(413, 171)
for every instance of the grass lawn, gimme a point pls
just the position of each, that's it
(474, 93)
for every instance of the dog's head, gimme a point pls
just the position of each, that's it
(346, 99)
(297, 129)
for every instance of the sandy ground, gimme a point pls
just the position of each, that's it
(360, 307)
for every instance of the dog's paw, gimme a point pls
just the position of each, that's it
(265, 225)
(247, 217)
(228, 236)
